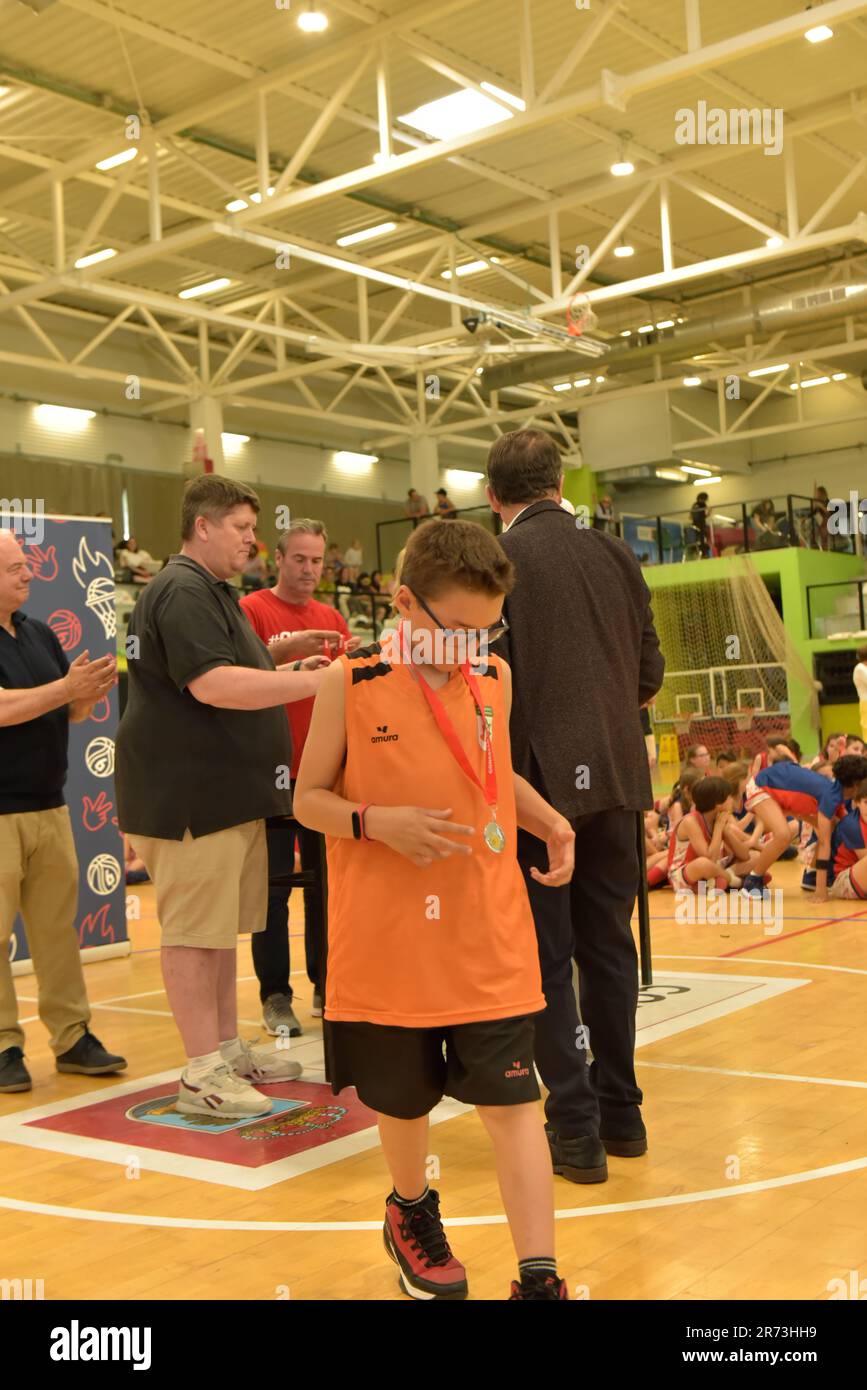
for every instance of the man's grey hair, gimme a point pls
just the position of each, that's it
(304, 526)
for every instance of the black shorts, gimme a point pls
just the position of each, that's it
(405, 1072)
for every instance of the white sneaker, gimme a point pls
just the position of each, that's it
(221, 1092)
(265, 1065)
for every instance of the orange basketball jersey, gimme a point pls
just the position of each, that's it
(453, 942)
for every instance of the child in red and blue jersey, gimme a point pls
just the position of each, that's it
(787, 789)
(850, 850)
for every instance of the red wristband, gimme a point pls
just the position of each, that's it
(361, 811)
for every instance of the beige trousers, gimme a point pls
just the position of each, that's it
(39, 878)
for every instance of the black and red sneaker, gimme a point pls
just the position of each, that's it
(539, 1288)
(415, 1240)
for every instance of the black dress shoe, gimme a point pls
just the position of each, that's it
(89, 1058)
(580, 1160)
(14, 1076)
(624, 1138)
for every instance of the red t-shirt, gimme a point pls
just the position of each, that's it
(271, 616)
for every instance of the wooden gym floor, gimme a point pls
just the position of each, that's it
(751, 1057)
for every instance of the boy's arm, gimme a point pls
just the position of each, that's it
(536, 816)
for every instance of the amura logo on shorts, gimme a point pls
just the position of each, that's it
(383, 736)
(517, 1070)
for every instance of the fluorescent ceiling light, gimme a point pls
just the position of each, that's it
(600, 379)
(507, 97)
(665, 323)
(460, 113)
(646, 328)
(839, 376)
(812, 381)
(366, 233)
(312, 21)
(621, 167)
(209, 287)
(670, 473)
(693, 468)
(62, 417)
(819, 33)
(769, 371)
(114, 159)
(563, 386)
(582, 381)
(238, 204)
(773, 242)
(462, 478)
(471, 268)
(232, 442)
(697, 482)
(692, 381)
(95, 257)
(349, 462)
(624, 250)
(626, 332)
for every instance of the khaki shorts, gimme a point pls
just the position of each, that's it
(212, 889)
(844, 886)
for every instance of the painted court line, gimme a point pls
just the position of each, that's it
(754, 1075)
(786, 936)
(852, 1165)
(765, 960)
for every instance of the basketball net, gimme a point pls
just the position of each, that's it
(579, 315)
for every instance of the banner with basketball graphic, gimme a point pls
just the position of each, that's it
(73, 592)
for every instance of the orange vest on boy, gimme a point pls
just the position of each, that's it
(453, 942)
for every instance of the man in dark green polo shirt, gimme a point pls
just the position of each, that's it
(39, 693)
(203, 757)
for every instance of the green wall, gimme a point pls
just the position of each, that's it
(579, 485)
(795, 568)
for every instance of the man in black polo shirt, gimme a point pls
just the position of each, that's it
(39, 693)
(203, 757)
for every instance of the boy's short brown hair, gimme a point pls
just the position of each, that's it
(214, 497)
(441, 553)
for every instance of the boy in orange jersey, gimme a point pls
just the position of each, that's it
(433, 972)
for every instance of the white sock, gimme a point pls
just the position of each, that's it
(197, 1067)
(231, 1049)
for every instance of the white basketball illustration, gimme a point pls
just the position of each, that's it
(103, 874)
(99, 756)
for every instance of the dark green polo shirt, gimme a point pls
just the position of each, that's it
(182, 764)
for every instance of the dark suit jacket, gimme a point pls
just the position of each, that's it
(584, 656)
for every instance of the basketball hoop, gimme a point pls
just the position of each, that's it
(579, 315)
(681, 726)
(743, 722)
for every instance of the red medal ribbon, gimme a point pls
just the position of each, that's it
(447, 729)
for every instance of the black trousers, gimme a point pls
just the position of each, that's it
(271, 946)
(588, 920)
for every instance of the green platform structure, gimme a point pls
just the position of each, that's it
(791, 571)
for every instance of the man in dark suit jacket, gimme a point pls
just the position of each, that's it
(584, 656)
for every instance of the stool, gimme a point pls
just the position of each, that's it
(669, 749)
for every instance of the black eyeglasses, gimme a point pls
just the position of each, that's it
(486, 634)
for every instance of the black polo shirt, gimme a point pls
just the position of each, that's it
(182, 764)
(33, 755)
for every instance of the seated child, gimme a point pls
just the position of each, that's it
(850, 850)
(701, 839)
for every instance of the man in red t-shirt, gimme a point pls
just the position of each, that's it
(294, 625)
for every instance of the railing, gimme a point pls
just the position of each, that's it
(398, 539)
(360, 607)
(751, 526)
(835, 584)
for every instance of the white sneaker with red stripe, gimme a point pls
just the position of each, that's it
(220, 1092)
(264, 1066)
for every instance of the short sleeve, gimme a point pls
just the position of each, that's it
(193, 633)
(254, 615)
(830, 800)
